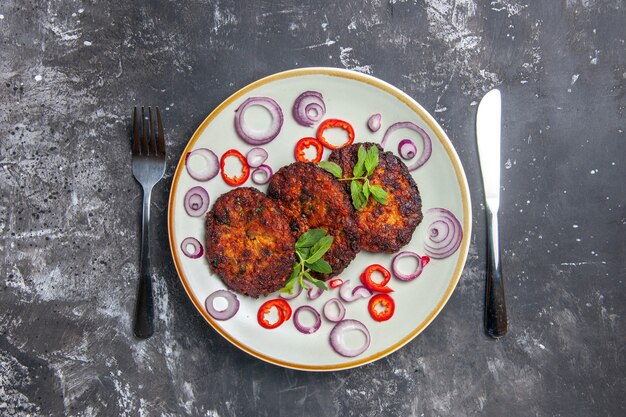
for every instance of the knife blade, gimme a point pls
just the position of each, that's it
(488, 121)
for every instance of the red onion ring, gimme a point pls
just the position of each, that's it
(296, 291)
(349, 295)
(396, 268)
(407, 149)
(314, 293)
(328, 310)
(256, 157)
(262, 174)
(428, 146)
(230, 310)
(373, 123)
(198, 250)
(254, 137)
(337, 338)
(196, 201)
(309, 108)
(301, 327)
(210, 169)
(444, 234)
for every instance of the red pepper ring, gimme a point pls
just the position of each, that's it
(385, 301)
(328, 123)
(334, 283)
(245, 168)
(305, 143)
(366, 278)
(282, 307)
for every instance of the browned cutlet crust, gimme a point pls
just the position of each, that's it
(249, 243)
(384, 228)
(312, 199)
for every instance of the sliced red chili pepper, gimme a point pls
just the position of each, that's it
(282, 307)
(383, 300)
(304, 144)
(334, 283)
(328, 123)
(367, 280)
(245, 168)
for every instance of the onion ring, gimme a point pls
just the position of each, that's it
(373, 123)
(428, 146)
(198, 250)
(349, 295)
(309, 108)
(196, 201)
(254, 137)
(301, 327)
(230, 310)
(327, 309)
(395, 268)
(210, 168)
(262, 174)
(337, 338)
(444, 234)
(256, 156)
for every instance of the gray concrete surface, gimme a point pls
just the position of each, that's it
(69, 208)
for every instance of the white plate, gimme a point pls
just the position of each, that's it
(352, 97)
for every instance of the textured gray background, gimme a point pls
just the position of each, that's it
(72, 70)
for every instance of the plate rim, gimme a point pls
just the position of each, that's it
(444, 140)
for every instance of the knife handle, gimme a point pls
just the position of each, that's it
(495, 306)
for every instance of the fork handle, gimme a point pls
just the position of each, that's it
(495, 305)
(144, 312)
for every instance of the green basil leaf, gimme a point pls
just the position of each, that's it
(366, 190)
(320, 266)
(320, 248)
(371, 160)
(310, 238)
(331, 167)
(356, 191)
(319, 284)
(379, 194)
(293, 278)
(359, 168)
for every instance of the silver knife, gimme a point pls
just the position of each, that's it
(488, 137)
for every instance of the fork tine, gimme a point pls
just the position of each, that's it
(144, 140)
(136, 148)
(152, 141)
(160, 136)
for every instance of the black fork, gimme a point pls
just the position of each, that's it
(148, 169)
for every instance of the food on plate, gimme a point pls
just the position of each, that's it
(259, 137)
(306, 143)
(373, 123)
(232, 305)
(361, 189)
(405, 149)
(249, 243)
(301, 326)
(262, 174)
(311, 198)
(335, 123)
(381, 307)
(420, 264)
(309, 108)
(202, 164)
(235, 180)
(283, 309)
(367, 278)
(444, 235)
(384, 227)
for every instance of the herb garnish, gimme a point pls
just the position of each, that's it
(310, 248)
(360, 187)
